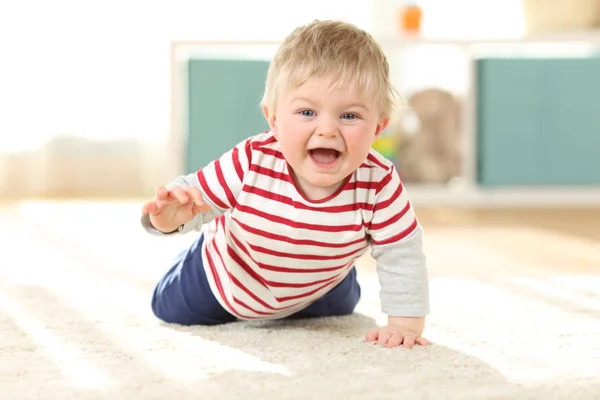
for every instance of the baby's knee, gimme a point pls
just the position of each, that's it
(168, 309)
(350, 302)
(345, 309)
(161, 310)
(175, 308)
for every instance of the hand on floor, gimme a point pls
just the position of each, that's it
(395, 335)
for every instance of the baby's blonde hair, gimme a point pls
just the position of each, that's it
(331, 49)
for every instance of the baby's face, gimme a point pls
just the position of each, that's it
(324, 134)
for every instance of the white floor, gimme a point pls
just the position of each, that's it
(516, 315)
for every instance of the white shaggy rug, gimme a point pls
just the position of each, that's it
(516, 315)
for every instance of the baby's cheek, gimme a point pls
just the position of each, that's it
(293, 151)
(295, 144)
(359, 144)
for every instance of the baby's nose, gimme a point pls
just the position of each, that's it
(328, 129)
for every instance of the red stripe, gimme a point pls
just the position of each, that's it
(286, 178)
(302, 285)
(299, 225)
(235, 157)
(216, 201)
(390, 221)
(269, 140)
(235, 281)
(374, 160)
(301, 270)
(386, 203)
(270, 283)
(304, 256)
(270, 173)
(246, 268)
(287, 239)
(280, 284)
(386, 179)
(220, 221)
(239, 284)
(236, 257)
(275, 284)
(301, 206)
(254, 296)
(219, 285)
(283, 269)
(249, 151)
(241, 303)
(399, 236)
(223, 183)
(270, 152)
(231, 277)
(360, 185)
(302, 295)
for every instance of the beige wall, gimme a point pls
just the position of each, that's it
(80, 168)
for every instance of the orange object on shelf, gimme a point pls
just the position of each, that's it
(410, 18)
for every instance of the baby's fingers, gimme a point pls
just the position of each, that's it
(383, 338)
(149, 207)
(395, 340)
(422, 341)
(371, 336)
(162, 193)
(195, 194)
(197, 209)
(409, 342)
(179, 194)
(199, 205)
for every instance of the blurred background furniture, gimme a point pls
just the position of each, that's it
(522, 130)
(538, 122)
(63, 134)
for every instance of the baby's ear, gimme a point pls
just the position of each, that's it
(270, 117)
(383, 123)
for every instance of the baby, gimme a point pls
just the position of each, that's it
(284, 214)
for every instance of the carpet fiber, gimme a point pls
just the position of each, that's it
(516, 315)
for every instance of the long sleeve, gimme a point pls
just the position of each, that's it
(219, 183)
(397, 246)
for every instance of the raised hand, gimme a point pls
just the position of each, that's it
(170, 209)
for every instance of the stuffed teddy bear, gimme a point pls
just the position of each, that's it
(428, 138)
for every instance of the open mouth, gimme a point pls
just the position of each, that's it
(324, 157)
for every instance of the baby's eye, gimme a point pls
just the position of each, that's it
(307, 113)
(349, 116)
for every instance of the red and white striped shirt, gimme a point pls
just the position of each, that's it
(269, 251)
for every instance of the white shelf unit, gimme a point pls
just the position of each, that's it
(464, 192)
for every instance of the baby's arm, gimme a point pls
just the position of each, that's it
(403, 278)
(189, 185)
(402, 271)
(397, 246)
(213, 188)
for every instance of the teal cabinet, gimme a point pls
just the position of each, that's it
(538, 121)
(223, 106)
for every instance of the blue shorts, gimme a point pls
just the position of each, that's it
(184, 297)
